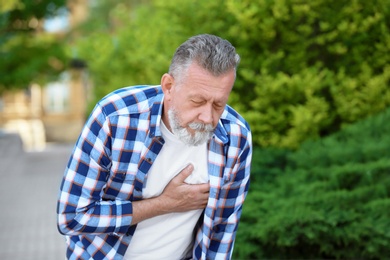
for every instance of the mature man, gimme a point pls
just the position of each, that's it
(161, 172)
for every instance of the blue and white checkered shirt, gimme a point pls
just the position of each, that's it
(106, 172)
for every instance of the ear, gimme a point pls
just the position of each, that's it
(167, 84)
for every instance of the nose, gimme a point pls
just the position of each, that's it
(206, 114)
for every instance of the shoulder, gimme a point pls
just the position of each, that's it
(233, 122)
(129, 100)
(234, 129)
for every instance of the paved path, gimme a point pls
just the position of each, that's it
(29, 184)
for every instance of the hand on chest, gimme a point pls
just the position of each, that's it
(170, 161)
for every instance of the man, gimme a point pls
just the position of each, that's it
(161, 172)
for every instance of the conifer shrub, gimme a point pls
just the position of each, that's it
(328, 199)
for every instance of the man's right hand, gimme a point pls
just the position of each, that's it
(178, 196)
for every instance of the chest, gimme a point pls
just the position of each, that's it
(173, 158)
(132, 168)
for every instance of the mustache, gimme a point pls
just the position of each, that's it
(201, 127)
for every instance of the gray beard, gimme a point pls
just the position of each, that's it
(202, 132)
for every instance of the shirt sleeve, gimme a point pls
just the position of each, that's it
(230, 202)
(80, 207)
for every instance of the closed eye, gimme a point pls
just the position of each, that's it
(198, 102)
(218, 106)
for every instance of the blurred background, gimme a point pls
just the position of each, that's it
(313, 83)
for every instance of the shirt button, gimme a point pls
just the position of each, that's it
(149, 160)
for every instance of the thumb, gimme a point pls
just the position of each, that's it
(185, 172)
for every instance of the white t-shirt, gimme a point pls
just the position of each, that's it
(169, 236)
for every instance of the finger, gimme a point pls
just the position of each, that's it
(203, 188)
(183, 174)
(204, 196)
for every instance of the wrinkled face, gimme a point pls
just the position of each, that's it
(194, 103)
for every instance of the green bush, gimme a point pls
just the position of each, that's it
(331, 201)
(311, 66)
(308, 67)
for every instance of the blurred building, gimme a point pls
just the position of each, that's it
(54, 112)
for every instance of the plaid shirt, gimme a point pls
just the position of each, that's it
(108, 169)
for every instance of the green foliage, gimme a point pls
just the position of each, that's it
(308, 67)
(311, 66)
(329, 199)
(286, 110)
(134, 43)
(267, 164)
(28, 55)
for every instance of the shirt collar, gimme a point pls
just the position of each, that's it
(221, 133)
(155, 114)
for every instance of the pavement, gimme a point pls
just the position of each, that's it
(29, 185)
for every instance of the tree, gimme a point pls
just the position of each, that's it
(27, 52)
(308, 68)
(311, 67)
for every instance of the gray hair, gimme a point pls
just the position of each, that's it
(214, 54)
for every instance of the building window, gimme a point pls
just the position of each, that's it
(57, 97)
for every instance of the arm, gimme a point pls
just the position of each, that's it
(230, 202)
(81, 208)
(178, 196)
